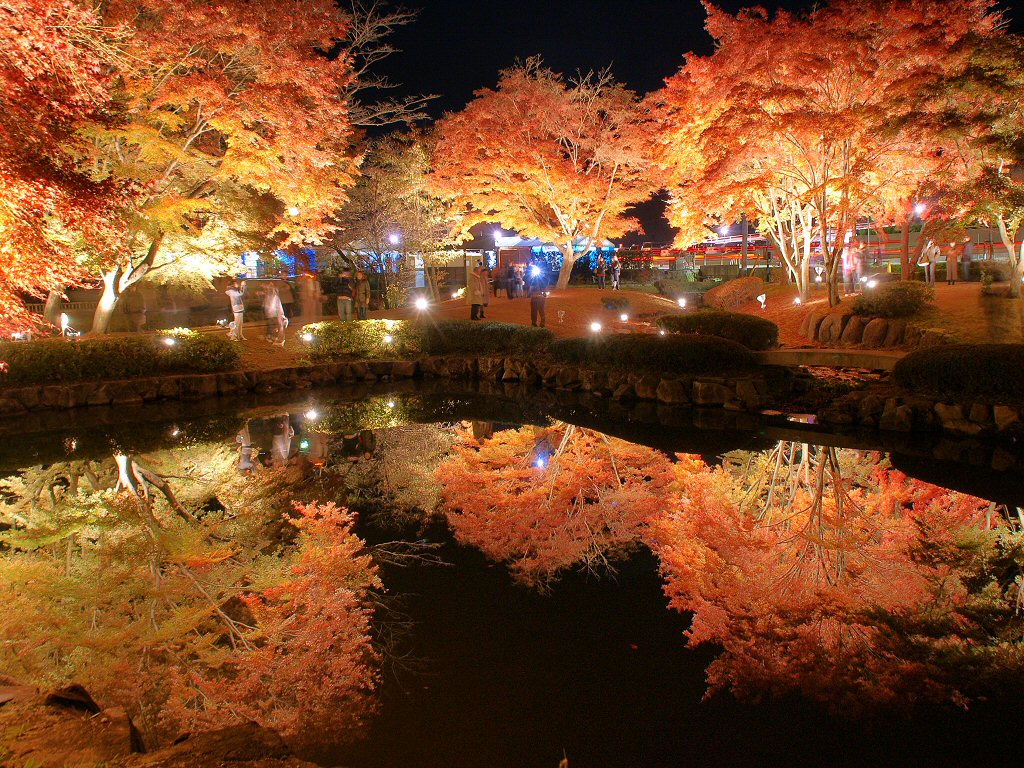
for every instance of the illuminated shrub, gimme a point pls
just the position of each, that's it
(750, 331)
(60, 361)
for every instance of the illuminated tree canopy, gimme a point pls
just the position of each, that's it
(552, 159)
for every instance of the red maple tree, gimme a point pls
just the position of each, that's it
(55, 73)
(543, 500)
(855, 591)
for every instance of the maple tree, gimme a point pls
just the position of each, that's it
(980, 113)
(823, 572)
(802, 121)
(545, 499)
(234, 129)
(557, 160)
(209, 602)
(390, 214)
(55, 72)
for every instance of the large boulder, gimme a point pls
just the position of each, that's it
(831, 329)
(853, 333)
(673, 392)
(812, 322)
(875, 332)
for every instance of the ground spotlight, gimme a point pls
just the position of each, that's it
(623, 317)
(307, 337)
(595, 327)
(388, 338)
(169, 341)
(422, 303)
(312, 415)
(681, 302)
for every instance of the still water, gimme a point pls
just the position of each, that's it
(406, 577)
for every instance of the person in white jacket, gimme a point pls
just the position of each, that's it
(236, 293)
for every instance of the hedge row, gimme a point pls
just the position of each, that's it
(990, 370)
(124, 357)
(388, 339)
(749, 330)
(675, 353)
(894, 300)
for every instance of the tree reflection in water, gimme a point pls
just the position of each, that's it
(189, 593)
(546, 499)
(824, 572)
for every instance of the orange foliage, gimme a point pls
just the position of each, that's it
(809, 596)
(557, 161)
(807, 122)
(54, 76)
(303, 664)
(543, 500)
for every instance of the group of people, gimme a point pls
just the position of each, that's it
(932, 252)
(353, 291)
(516, 280)
(605, 269)
(277, 299)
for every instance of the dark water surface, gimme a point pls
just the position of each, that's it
(485, 661)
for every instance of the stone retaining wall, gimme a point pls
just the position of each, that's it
(747, 392)
(889, 410)
(840, 329)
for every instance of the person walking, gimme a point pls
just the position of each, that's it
(474, 291)
(538, 295)
(273, 311)
(346, 292)
(616, 268)
(951, 266)
(600, 272)
(511, 281)
(236, 294)
(362, 296)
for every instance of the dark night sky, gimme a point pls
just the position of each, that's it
(458, 46)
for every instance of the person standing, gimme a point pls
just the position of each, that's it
(346, 292)
(616, 267)
(511, 281)
(287, 295)
(474, 291)
(965, 264)
(601, 271)
(520, 282)
(273, 311)
(362, 296)
(927, 260)
(310, 304)
(236, 294)
(538, 295)
(951, 266)
(485, 289)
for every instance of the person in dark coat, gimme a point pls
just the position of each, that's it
(538, 285)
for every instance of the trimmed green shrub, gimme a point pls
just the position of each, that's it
(749, 330)
(365, 339)
(675, 353)
(894, 300)
(673, 289)
(121, 357)
(959, 370)
(734, 293)
(453, 337)
(394, 339)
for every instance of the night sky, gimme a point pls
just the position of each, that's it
(458, 46)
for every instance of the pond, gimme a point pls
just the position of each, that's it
(519, 581)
